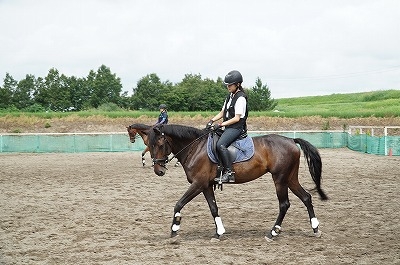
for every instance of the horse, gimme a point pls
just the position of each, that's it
(142, 130)
(278, 155)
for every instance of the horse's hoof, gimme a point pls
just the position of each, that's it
(174, 240)
(214, 239)
(318, 234)
(269, 239)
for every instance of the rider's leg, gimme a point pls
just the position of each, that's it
(228, 137)
(229, 175)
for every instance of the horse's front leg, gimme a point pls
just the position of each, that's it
(143, 153)
(194, 190)
(143, 159)
(210, 197)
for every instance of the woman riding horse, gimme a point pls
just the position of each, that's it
(276, 154)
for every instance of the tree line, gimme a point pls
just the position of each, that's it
(58, 92)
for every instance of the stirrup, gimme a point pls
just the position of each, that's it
(228, 176)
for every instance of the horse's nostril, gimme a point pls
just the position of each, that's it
(161, 173)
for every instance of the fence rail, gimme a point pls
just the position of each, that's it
(119, 141)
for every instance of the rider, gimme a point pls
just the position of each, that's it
(163, 117)
(234, 113)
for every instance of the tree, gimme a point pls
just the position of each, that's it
(22, 97)
(78, 92)
(148, 93)
(259, 97)
(52, 92)
(7, 91)
(104, 87)
(196, 94)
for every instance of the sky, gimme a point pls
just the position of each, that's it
(297, 48)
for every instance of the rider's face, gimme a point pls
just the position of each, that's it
(231, 88)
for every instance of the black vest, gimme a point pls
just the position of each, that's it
(241, 124)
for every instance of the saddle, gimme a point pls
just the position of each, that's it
(240, 150)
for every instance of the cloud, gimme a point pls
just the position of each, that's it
(298, 48)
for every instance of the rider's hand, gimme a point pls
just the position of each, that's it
(215, 127)
(209, 124)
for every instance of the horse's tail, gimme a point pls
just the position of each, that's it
(314, 162)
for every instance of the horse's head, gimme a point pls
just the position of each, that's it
(160, 148)
(132, 133)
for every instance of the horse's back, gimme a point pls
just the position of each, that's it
(276, 143)
(278, 151)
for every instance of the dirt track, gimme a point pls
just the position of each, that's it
(105, 208)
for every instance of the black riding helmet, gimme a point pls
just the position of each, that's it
(233, 77)
(163, 106)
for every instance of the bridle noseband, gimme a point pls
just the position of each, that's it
(164, 161)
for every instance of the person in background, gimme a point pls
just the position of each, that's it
(234, 113)
(163, 117)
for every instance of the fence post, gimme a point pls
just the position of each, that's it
(385, 133)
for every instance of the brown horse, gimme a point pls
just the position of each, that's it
(142, 130)
(276, 154)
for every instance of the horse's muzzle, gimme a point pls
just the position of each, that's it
(160, 166)
(159, 172)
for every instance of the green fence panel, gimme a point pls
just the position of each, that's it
(119, 142)
(393, 145)
(318, 139)
(68, 143)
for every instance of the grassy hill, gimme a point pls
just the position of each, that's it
(385, 103)
(379, 104)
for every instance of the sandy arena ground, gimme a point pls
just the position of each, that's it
(105, 208)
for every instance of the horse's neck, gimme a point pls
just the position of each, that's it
(183, 146)
(144, 137)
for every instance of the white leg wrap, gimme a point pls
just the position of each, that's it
(176, 227)
(276, 230)
(220, 226)
(314, 222)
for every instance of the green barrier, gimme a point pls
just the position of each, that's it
(384, 145)
(119, 142)
(68, 143)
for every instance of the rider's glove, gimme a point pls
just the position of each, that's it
(209, 125)
(215, 127)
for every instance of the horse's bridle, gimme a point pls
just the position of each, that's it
(164, 161)
(135, 134)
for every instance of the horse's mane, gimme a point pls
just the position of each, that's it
(180, 131)
(140, 126)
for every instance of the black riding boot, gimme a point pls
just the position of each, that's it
(229, 175)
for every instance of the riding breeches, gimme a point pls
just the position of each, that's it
(227, 138)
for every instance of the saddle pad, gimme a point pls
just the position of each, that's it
(244, 149)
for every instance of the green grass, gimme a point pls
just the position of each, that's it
(376, 103)
(385, 103)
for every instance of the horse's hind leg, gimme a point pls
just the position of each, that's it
(305, 197)
(284, 204)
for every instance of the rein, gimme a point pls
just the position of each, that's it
(177, 153)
